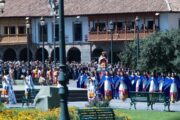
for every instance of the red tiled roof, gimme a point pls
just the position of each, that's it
(75, 7)
(21, 8)
(175, 5)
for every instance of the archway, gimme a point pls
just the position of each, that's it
(9, 55)
(38, 55)
(74, 54)
(56, 54)
(96, 53)
(23, 55)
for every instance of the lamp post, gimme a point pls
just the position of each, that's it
(54, 7)
(42, 23)
(2, 5)
(137, 37)
(54, 39)
(63, 79)
(158, 27)
(27, 32)
(111, 30)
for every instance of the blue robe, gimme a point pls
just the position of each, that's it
(140, 85)
(118, 82)
(144, 79)
(155, 82)
(101, 84)
(133, 83)
(167, 83)
(82, 79)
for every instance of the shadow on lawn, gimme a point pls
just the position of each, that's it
(175, 118)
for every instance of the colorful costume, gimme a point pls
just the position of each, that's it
(138, 83)
(106, 87)
(91, 88)
(121, 88)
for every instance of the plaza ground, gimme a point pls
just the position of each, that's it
(141, 113)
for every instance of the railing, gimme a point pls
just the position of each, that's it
(14, 39)
(117, 35)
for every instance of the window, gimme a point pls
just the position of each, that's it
(119, 25)
(102, 26)
(77, 32)
(6, 30)
(22, 30)
(43, 33)
(12, 30)
(57, 32)
(150, 24)
(130, 25)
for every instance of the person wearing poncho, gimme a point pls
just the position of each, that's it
(121, 87)
(106, 86)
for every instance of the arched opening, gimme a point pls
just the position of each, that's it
(38, 55)
(9, 55)
(56, 54)
(23, 55)
(96, 54)
(74, 54)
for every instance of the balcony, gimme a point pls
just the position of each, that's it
(128, 35)
(13, 40)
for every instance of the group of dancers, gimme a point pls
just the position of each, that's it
(116, 84)
(7, 93)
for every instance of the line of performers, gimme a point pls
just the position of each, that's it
(118, 83)
(117, 86)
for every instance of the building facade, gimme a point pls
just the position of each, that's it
(87, 28)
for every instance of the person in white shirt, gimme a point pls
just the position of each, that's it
(28, 82)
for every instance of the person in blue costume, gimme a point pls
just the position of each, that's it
(133, 82)
(144, 79)
(178, 85)
(166, 85)
(171, 87)
(152, 84)
(111, 77)
(121, 87)
(106, 86)
(161, 79)
(75, 73)
(127, 80)
(138, 82)
(116, 78)
(82, 79)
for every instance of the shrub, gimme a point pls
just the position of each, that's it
(34, 114)
(98, 103)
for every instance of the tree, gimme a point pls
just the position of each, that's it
(160, 51)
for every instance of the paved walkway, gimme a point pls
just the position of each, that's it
(115, 104)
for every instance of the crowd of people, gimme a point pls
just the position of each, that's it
(108, 82)
(102, 80)
(116, 84)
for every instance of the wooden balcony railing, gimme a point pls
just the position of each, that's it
(14, 39)
(117, 36)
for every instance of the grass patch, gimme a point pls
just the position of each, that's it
(150, 115)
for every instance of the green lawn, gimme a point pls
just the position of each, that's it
(151, 115)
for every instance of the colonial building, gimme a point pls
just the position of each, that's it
(87, 28)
